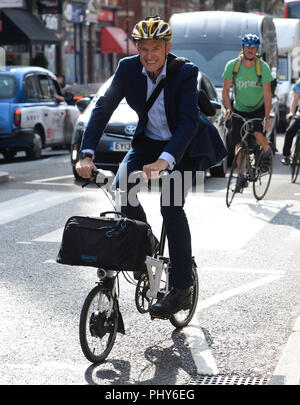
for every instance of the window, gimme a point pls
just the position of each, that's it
(45, 87)
(7, 86)
(210, 58)
(31, 90)
(56, 88)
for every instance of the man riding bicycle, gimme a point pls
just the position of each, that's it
(251, 79)
(294, 124)
(164, 139)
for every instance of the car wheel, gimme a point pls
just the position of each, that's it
(8, 154)
(36, 150)
(219, 171)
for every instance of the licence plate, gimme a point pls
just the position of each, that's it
(120, 146)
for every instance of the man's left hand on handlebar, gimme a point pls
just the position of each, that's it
(152, 170)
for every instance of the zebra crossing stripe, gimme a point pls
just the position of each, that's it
(17, 208)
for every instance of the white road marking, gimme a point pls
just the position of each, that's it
(49, 179)
(215, 299)
(20, 207)
(200, 351)
(287, 371)
(242, 270)
(54, 236)
(295, 233)
(203, 358)
(212, 223)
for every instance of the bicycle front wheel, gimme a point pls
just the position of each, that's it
(237, 168)
(98, 329)
(295, 161)
(183, 317)
(263, 176)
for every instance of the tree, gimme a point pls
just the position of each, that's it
(265, 6)
(240, 5)
(220, 4)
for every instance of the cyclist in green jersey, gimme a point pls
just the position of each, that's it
(252, 95)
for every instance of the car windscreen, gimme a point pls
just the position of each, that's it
(209, 58)
(294, 10)
(7, 86)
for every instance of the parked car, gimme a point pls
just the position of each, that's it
(116, 139)
(33, 114)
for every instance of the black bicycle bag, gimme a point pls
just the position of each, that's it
(108, 243)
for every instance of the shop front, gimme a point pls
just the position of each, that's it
(23, 36)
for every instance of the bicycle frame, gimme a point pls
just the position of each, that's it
(246, 131)
(159, 263)
(244, 161)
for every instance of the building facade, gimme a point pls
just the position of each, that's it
(91, 51)
(86, 38)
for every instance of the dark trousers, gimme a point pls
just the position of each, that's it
(290, 133)
(177, 228)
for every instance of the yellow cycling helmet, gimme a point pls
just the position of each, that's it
(152, 28)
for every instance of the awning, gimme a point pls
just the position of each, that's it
(114, 40)
(19, 26)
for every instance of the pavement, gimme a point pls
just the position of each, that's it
(4, 177)
(287, 371)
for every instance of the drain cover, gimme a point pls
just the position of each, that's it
(227, 380)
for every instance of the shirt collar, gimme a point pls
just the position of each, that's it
(162, 74)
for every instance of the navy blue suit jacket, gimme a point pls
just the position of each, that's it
(181, 105)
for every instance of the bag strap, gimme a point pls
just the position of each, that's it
(171, 68)
(153, 97)
(237, 66)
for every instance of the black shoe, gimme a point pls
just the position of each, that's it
(240, 184)
(286, 160)
(265, 162)
(176, 300)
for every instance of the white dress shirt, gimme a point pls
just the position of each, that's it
(157, 127)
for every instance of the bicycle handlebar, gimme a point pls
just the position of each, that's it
(99, 176)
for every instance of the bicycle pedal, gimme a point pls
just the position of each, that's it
(155, 316)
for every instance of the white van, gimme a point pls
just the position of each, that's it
(211, 38)
(288, 38)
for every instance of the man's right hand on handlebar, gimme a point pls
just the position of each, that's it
(84, 168)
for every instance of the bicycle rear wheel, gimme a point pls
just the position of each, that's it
(183, 317)
(295, 161)
(262, 176)
(236, 170)
(97, 330)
